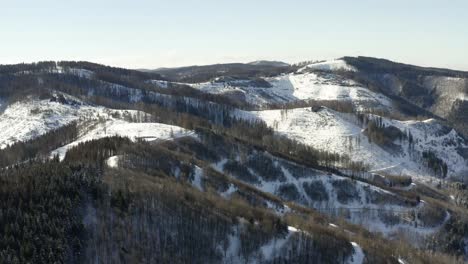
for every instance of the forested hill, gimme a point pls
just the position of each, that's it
(353, 160)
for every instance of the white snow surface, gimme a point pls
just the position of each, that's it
(276, 246)
(197, 178)
(113, 162)
(301, 85)
(366, 207)
(401, 261)
(337, 132)
(358, 256)
(30, 118)
(134, 131)
(330, 65)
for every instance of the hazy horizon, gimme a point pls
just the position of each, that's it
(154, 34)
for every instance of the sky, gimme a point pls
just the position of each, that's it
(152, 34)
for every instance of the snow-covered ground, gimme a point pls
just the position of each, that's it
(30, 118)
(330, 65)
(197, 178)
(134, 131)
(301, 85)
(341, 133)
(113, 162)
(358, 256)
(361, 203)
(273, 248)
(361, 208)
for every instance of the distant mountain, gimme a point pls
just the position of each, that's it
(192, 74)
(269, 63)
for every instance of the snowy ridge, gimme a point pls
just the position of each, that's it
(330, 65)
(82, 73)
(292, 87)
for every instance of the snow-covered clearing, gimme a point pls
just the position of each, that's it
(134, 131)
(31, 118)
(301, 85)
(341, 133)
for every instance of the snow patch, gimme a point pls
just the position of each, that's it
(197, 178)
(113, 162)
(331, 65)
(358, 256)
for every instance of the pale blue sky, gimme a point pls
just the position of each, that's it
(151, 34)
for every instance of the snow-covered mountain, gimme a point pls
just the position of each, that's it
(312, 82)
(339, 161)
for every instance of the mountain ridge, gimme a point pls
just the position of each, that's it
(321, 161)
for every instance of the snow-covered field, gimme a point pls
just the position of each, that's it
(134, 131)
(341, 133)
(30, 118)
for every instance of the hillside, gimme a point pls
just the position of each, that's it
(354, 160)
(440, 91)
